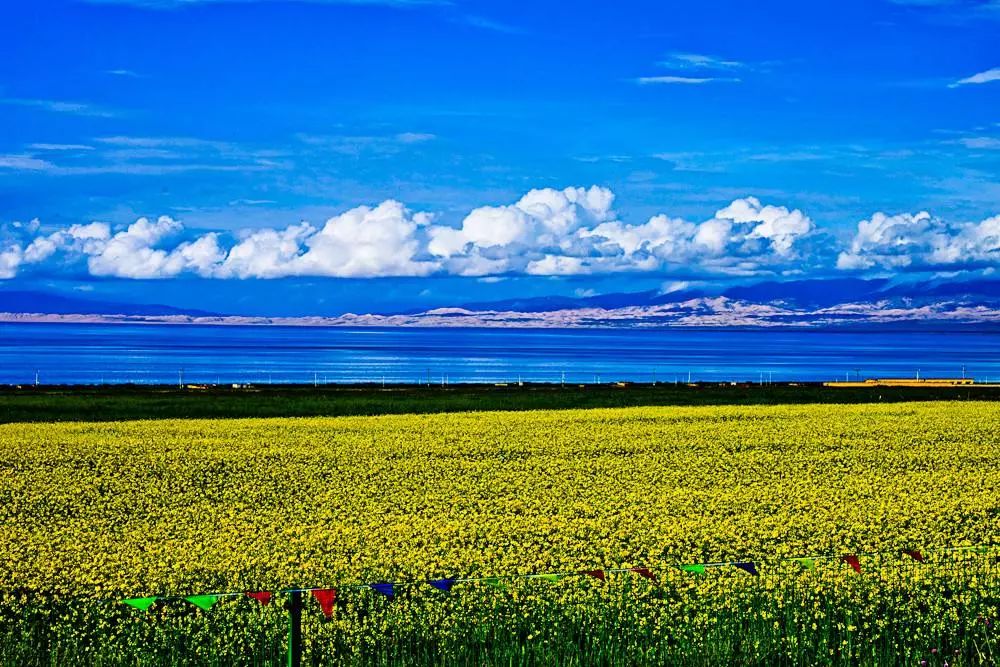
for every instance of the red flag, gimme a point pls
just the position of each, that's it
(263, 597)
(645, 572)
(915, 555)
(853, 561)
(596, 574)
(326, 598)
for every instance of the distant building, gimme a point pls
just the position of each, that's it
(905, 382)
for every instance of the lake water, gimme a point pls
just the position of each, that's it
(145, 354)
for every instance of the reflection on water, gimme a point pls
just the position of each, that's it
(95, 353)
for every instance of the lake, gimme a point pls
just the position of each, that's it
(157, 354)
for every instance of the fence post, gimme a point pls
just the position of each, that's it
(295, 629)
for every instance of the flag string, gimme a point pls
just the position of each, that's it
(388, 588)
(750, 566)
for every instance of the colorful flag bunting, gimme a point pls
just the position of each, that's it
(748, 567)
(142, 604)
(696, 569)
(263, 597)
(203, 602)
(807, 563)
(385, 589)
(645, 572)
(853, 561)
(443, 584)
(596, 574)
(915, 555)
(326, 598)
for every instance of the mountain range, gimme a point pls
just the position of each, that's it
(831, 302)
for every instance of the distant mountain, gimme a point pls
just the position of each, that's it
(847, 302)
(59, 304)
(809, 293)
(541, 304)
(805, 294)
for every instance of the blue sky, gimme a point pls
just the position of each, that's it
(666, 143)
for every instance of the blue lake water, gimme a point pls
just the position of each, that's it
(154, 354)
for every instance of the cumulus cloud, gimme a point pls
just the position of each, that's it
(361, 243)
(921, 241)
(512, 238)
(547, 232)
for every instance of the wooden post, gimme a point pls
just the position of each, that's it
(295, 629)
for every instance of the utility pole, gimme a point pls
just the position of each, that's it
(295, 629)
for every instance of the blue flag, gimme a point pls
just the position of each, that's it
(385, 589)
(748, 567)
(442, 584)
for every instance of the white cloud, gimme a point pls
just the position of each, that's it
(24, 163)
(700, 61)
(414, 137)
(501, 239)
(683, 80)
(59, 106)
(132, 253)
(981, 143)
(549, 232)
(921, 242)
(983, 77)
(61, 147)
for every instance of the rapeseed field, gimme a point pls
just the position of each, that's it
(95, 512)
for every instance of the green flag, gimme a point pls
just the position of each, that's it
(696, 569)
(495, 582)
(140, 603)
(807, 563)
(204, 602)
(547, 577)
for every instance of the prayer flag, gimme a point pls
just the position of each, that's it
(203, 602)
(645, 572)
(386, 589)
(326, 598)
(807, 563)
(443, 584)
(263, 597)
(140, 603)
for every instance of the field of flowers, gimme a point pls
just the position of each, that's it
(94, 512)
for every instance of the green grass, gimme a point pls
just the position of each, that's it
(115, 403)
